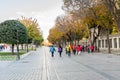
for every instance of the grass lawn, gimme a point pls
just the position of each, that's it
(9, 56)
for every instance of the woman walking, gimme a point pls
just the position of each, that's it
(60, 49)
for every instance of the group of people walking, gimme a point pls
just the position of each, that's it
(60, 50)
(73, 49)
(76, 50)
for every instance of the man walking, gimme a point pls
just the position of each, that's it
(52, 50)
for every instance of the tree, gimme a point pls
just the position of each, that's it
(100, 18)
(114, 8)
(12, 31)
(54, 35)
(33, 29)
(95, 14)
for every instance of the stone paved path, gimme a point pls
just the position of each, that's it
(39, 65)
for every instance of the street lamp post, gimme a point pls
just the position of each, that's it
(18, 56)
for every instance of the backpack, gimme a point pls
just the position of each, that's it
(59, 49)
(52, 49)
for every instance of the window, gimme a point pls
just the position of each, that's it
(99, 43)
(115, 42)
(110, 43)
(106, 43)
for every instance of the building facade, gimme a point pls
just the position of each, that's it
(114, 42)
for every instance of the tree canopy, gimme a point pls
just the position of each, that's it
(12, 31)
(33, 29)
(81, 16)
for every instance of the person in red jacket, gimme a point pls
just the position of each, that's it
(79, 49)
(92, 48)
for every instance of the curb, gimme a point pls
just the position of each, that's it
(25, 55)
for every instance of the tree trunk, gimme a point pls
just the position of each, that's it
(27, 47)
(18, 55)
(108, 41)
(12, 49)
(78, 42)
(94, 38)
(22, 46)
(35, 47)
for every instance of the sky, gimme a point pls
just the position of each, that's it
(45, 11)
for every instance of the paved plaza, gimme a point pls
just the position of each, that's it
(39, 65)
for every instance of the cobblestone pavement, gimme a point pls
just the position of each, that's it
(39, 65)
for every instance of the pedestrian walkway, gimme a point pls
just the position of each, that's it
(39, 65)
(4, 63)
(7, 62)
(28, 68)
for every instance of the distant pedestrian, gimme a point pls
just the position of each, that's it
(88, 48)
(69, 50)
(92, 48)
(60, 49)
(74, 49)
(79, 49)
(52, 50)
(71, 47)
